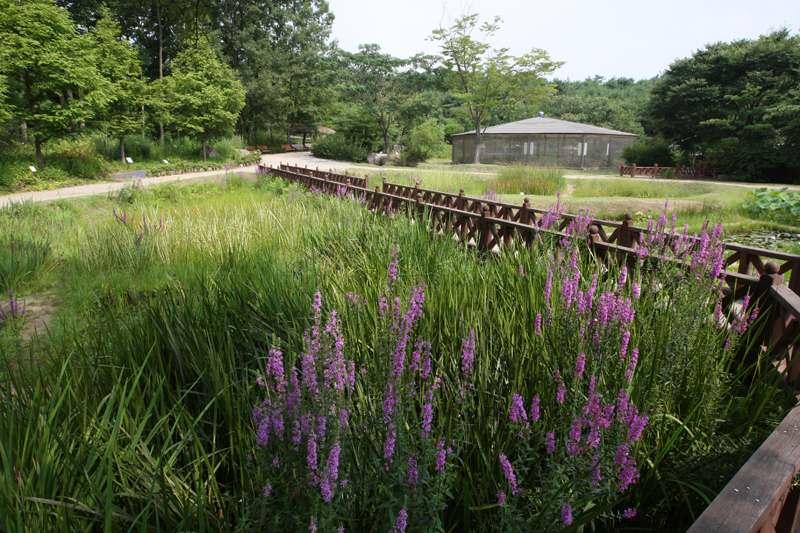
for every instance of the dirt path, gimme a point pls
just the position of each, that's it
(299, 159)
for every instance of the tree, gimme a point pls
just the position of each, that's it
(379, 84)
(206, 97)
(120, 65)
(730, 104)
(53, 84)
(595, 110)
(489, 80)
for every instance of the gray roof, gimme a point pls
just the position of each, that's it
(545, 125)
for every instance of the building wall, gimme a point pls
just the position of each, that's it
(572, 151)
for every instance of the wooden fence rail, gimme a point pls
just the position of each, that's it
(489, 226)
(699, 170)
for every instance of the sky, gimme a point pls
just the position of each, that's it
(616, 38)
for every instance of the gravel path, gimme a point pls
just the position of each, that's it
(298, 158)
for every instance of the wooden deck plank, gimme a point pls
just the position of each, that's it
(747, 501)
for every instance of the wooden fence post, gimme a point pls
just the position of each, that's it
(484, 235)
(625, 237)
(655, 170)
(420, 206)
(384, 185)
(460, 201)
(633, 170)
(594, 238)
(620, 169)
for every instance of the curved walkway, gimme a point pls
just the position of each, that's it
(297, 158)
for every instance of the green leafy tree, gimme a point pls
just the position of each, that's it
(731, 105)
(119, 63)
(206, 97)
(54, 85)
(382, 85)
(489, 80)
(595, 110)
(5, 107)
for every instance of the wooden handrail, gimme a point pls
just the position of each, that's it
(759, 498)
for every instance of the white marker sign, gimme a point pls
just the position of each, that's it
(33, 169)
(165, 161)
(129, 160)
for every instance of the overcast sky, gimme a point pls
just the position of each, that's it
(616, 38)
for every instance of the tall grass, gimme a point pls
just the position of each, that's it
(532, 180)
(144, 148)
(139, 418)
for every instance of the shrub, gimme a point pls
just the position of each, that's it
(649, 152)
(533, 180)
(76, 157)
(425, 141)
(338, 148)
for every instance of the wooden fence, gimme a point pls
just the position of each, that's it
(489, 226)
(699, 170)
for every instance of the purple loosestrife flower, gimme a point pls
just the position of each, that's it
(517, 413)
(629, 513)
(561, 389)
(566, 514)
(596, 475)
(580, 364)
(508, 470)
(392, 269)
(550, 441)
(267, 490)
(632, 364)
(388, 448)
(426, 368)
(311, 458)
(427, 419)
(535, 409)
(275, 369)
(623, 277)
(402, 522)
(441, 456)
(574, 444)
(623, 347)
(538, 328)
(413, 473)
(635, 290)
(313, 527)
(468, 353)
(548, 287)
(501, 498)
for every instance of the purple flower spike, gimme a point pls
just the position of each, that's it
(566, 514)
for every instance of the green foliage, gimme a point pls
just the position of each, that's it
(53, 81)
(775, 204)
(489, 80)
(425, 141)
(338, 148)
(205, 94)
(381, 85)
(532, 180)
(735, 106)
(649, 152)
(599, 111)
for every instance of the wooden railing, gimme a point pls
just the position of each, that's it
(759, 498)
(699, 170)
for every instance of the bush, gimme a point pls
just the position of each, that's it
(75, 157)
(339, 149)
(649, 152)
(425, 141)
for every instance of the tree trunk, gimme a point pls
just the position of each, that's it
(23, 126)
(386, 140)
(304, 139)
(160, 62)
(39, 156)
(122, 149)
(289, 134)
(478, 138)
(204, 149)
